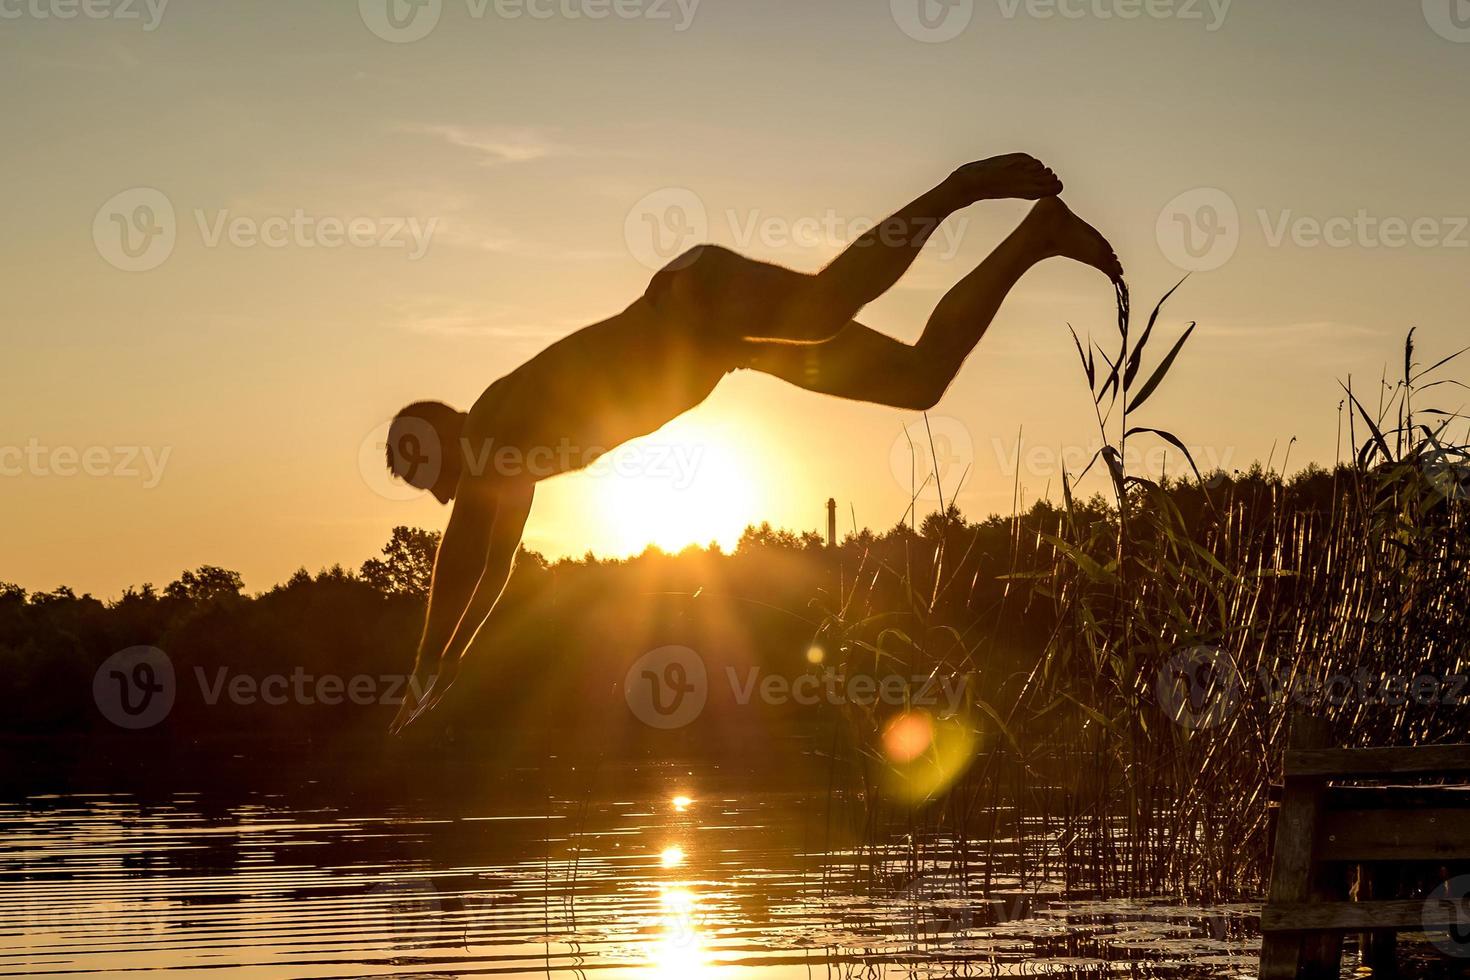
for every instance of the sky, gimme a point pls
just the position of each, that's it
(241, 235)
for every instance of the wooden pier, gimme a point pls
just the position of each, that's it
(1342, 852)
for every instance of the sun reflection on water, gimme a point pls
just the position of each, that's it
(680, 950)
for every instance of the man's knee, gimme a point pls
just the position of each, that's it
(925, 390)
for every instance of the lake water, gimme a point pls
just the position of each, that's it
(608, 872)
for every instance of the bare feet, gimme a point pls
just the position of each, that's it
(1015, 175)
(1060, 232)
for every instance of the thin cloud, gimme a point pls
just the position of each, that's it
(1317, 334)
(494, 324)
(498, 144)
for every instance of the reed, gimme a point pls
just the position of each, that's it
(1123, 738)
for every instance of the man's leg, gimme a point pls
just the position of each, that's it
(723, 294)
(864, 365)
(874, 263)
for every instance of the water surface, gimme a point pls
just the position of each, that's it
(657, 871)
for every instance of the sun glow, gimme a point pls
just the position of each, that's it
(687, 484)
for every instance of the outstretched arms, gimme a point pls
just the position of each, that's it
(470, 572)
(512, 501)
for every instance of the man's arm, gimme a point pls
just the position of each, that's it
(512, 507)
(471, 568)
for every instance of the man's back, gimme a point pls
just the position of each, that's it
(600, 387)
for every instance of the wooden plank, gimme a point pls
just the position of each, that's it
(1355, 916)
(1396, 797)
(1394, 835)
(1283, 955)
(1394, 761)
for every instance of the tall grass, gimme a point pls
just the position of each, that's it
(1132, 750)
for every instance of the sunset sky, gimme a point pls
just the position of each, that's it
(215, 394)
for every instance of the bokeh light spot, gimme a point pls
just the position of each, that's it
(908, 736)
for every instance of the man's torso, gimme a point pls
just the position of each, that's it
(593, 390)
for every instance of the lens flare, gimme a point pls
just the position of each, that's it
(908, 736)
(925, 755)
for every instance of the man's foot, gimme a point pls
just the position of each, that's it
(1060, 232)
(1015, 175)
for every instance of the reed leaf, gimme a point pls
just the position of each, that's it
(1152, 384)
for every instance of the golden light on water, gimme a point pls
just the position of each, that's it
(672, 857)
(681, 803)
(680, 952)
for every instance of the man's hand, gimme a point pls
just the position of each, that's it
(428, 679)
(426, 688)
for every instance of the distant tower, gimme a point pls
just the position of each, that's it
(831, 523)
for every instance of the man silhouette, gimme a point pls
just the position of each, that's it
(708, 313)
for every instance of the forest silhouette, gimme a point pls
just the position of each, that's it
(577, 623)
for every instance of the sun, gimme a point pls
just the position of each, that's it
(689, 483)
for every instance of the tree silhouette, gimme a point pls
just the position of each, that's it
(207, 583)
(407, 563)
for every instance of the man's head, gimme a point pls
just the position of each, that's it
(424, 448)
